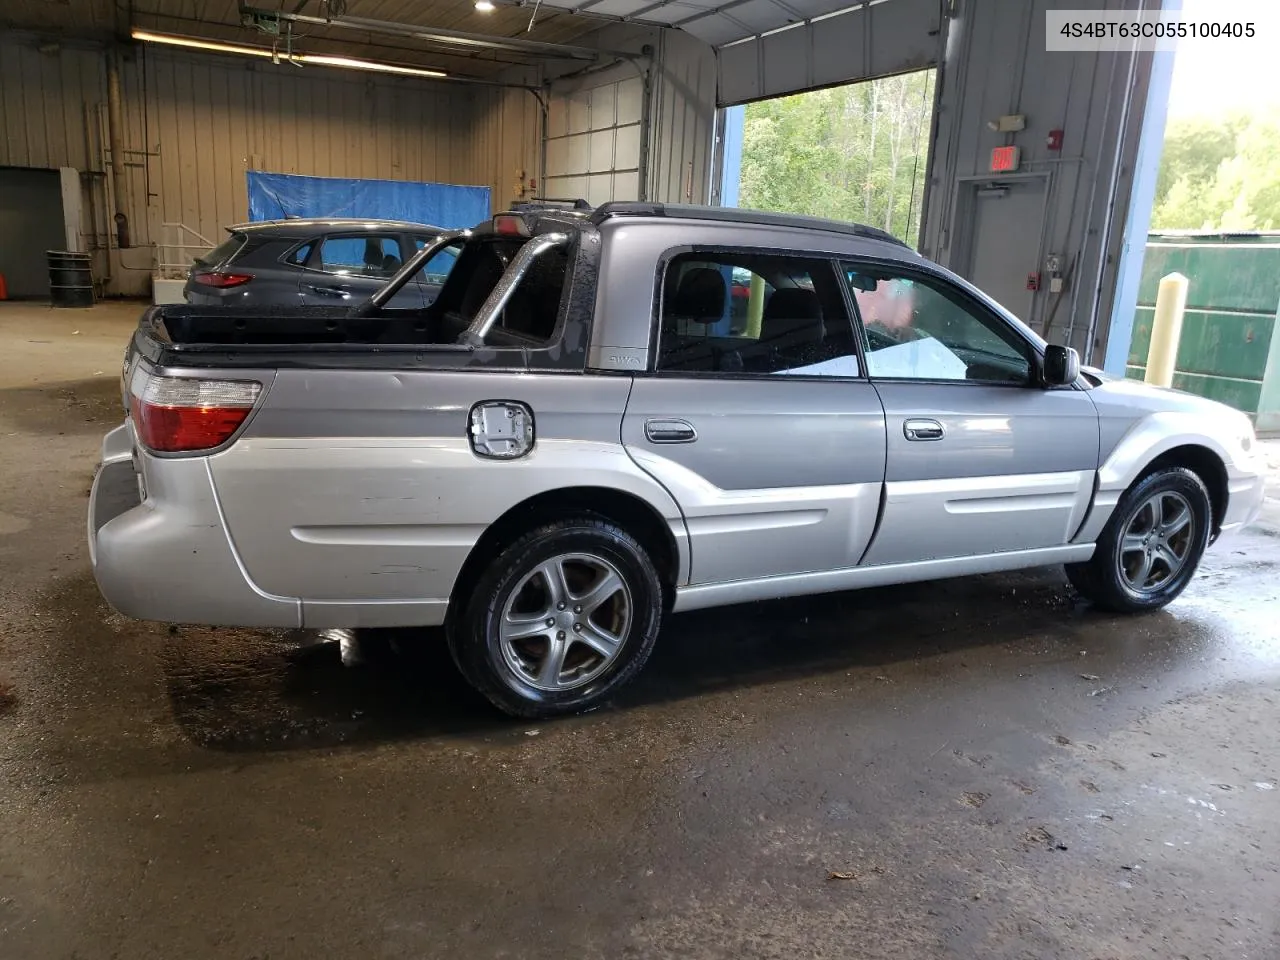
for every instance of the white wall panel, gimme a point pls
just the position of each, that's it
(630, 99)
(579, 111)
(601, 150)
(626, 185)
(604, 105)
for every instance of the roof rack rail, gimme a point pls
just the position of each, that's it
(633, 208)
(549, 203)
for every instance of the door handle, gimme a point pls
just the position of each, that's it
(670, 431)
(922, 429)
(330, 291)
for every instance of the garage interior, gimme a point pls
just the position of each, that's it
(992, 769)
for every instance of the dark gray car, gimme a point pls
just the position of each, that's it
(316, 262)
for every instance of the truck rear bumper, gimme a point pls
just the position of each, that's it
(166, 556)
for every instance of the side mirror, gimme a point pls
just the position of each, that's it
(1061, 366)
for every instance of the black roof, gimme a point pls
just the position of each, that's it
(631, 208)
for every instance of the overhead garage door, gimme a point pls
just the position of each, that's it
(877, 39)
(593, 142)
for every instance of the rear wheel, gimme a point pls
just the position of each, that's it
(559, 619)
(1150, 548)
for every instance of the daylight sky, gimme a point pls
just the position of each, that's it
(1211, 76)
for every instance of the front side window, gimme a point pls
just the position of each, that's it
(750, 313)
(360, 256)
(924, 329)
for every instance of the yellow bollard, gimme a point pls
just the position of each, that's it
(755, 307)
(1166, 329)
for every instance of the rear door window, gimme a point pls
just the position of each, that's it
(363, 255)
(752, 313)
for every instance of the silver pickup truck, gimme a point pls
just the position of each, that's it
(615, 414)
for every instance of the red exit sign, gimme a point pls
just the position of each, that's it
(1005, 159)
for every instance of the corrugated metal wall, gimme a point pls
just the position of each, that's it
(195, 124)
(995, 65)
(684, 120)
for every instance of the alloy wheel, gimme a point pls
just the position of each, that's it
(1156, 542)
(566, 621)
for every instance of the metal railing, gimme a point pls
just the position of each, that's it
(179, 246)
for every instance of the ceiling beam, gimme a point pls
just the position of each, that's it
(447, 57)
(461, 38)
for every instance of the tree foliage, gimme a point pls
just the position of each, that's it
(1220, 173)
(856, 152)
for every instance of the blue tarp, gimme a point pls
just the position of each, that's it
(278, 196)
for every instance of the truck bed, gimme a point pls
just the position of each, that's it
(189, 336)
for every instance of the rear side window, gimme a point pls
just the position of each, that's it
(533, 309)
(749, 313)
(223, 251)
(363, 255)
(298, 255)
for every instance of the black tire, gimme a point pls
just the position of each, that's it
(494, 667)
(1104, 579)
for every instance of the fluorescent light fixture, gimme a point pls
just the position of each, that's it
(174, 40)
(326, 61)
(317, 59)
(484, 6)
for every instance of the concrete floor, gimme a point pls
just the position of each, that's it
(972, 768)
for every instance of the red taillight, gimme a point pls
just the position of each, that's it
(510, 225)
(217, 278)
(180, 415)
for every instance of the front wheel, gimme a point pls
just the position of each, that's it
(1150, 548)
(559, 619)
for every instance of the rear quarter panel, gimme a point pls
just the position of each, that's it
(360, 487)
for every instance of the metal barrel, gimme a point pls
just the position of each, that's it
(70, 278)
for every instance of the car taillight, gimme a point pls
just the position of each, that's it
(219, 278)
(181, 414)
(510, 225)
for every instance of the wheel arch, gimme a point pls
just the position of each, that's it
(1205, 464)
(1160, 440)
(631, 512)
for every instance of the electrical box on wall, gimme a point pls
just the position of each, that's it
(1005, 159)
(1011, 123)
